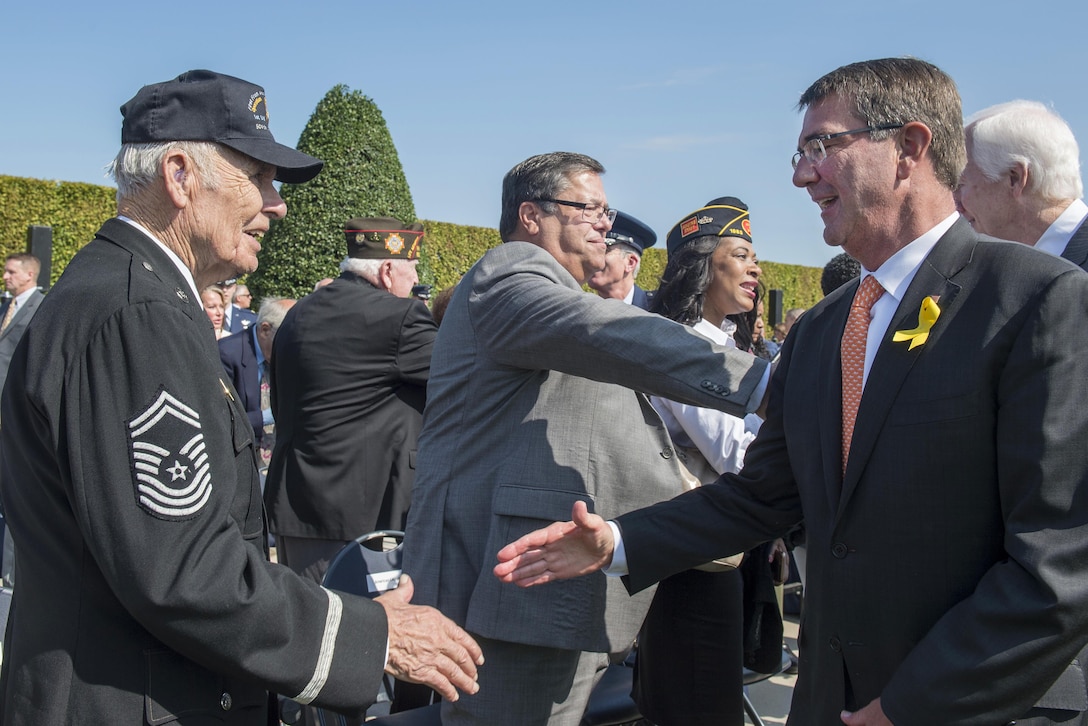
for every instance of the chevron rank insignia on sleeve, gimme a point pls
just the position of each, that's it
(169, 462)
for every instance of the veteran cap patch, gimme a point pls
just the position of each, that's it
(721, 217)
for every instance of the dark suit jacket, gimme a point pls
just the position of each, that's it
(948, 570)
(641, 299)
(239, 355)
(349, 381)
(241, 319)
(14, 332)
(1076, 251)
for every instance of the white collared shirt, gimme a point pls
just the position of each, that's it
(895, 276)
(1056, 237)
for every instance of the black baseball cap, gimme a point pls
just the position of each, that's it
(209, 106)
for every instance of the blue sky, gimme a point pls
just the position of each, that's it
(682, 101)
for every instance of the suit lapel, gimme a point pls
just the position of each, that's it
(894, 360)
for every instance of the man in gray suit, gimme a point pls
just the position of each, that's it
(1022, 179)
(21, 282)
(527, 384)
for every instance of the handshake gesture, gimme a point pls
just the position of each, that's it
(559, 551)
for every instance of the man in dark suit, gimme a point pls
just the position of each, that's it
(948, 536)
(145, 592)
(349, 381)
(1022, 179)
(246, 357)
(235, 318)
(626, 241)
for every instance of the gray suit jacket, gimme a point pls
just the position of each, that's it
(11, 335)
(527, 413)
(948, 569)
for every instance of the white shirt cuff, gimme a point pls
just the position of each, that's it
(618, 566)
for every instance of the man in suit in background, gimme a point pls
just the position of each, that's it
(349, 381)
(526, 389)
(246, 358)
(235, 318)
(1022, 179)
(21, 282)
(626, 241)
(948, 534)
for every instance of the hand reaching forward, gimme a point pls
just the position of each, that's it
(427, 647)
(559, 551)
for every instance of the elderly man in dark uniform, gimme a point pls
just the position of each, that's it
(129, 473)
(349, 380)
(626, 241)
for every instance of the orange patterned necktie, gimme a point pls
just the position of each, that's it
(8, 316)
(853, 357)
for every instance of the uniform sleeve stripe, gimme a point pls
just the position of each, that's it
(328, 648)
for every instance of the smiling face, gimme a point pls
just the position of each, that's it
(856, 186)
(734, 279)
(576, 244)
(226, 220)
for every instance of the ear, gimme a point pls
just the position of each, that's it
(631, 263)
(914, 142)
(178, 177)
(385, 274)
(529, 216)
(1017, 178)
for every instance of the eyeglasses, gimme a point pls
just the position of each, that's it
(814, 150)
(591, 213)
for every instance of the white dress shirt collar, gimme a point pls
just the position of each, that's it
(1056, 237)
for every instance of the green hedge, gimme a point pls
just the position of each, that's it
(75, 211)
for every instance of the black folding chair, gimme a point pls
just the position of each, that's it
(366, 567)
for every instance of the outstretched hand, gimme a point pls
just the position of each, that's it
(559, 551)
(427, 647)
(871, 715)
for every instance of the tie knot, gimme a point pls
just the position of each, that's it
(869, 292)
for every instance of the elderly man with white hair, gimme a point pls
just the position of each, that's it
(129, 477)
(1022, 180)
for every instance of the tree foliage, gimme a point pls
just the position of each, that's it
(362, 177)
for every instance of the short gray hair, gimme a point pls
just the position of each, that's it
(543, 176)
(1001, 136)
(368, 268)
(273, 310)
(137, 166)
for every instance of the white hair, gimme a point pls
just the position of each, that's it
(368, 268)
(273, 310)
(1027, 132)
(137, 166)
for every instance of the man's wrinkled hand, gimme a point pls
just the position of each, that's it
(427, 647)
(559, 551)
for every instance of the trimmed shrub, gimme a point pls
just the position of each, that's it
(362, 177)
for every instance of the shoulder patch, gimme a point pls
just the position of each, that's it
(170, 467)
